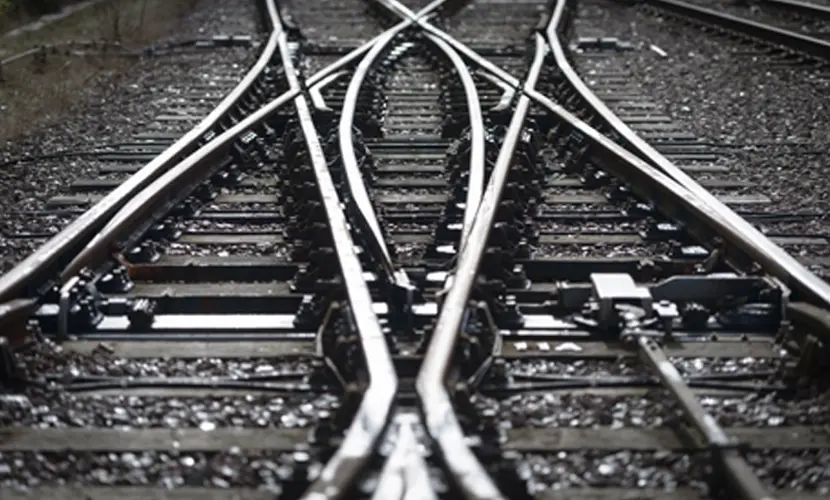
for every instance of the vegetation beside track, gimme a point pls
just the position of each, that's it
(36, 91)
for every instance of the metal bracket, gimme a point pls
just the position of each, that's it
(64, 305)
(65, 302)
(611, 289)
(615, 303)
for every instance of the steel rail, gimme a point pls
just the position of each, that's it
(28, 273)
(405, 13)
(354, 178)
(357, 188)
(477, 153)
(114, 215)
(812, 9)
(651, 181)
(738, 472)
(816, 47)
(373, 414)
(648, 180)
(441, 421)
(758, 246)
(674, 200)
(475, 181)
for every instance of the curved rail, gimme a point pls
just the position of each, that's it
(804, 43)
(30, 271)
(440, 418)
(475, 182)
(441, 422)
(654, 184)
(674, 200)
(755, 244)
(138, 206)
(374, 411)
(357, 188)
(354, 178)
(111, 217)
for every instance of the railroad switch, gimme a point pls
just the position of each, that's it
(503, 308)
(614, 303)
(695, 316)
(506, 312)
(648, 270)
(610, 290)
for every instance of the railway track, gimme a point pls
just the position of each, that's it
(414, 254)
(800, 26)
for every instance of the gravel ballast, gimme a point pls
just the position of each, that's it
(112, 109)
(167, 470)
(57, 409)
(654, 407)
(767, 119)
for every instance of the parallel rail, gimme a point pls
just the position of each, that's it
(32, 273)
(804, 8)
(89, 240)
(86, 238)
(373, 414)
(755, 246)
(815, 47)
(680, 198)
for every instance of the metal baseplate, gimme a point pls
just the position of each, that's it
(614, 303)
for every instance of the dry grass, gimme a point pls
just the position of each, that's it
(36, 93)
(18, 13)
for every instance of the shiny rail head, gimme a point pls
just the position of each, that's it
(752, 242)
(467, 472)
